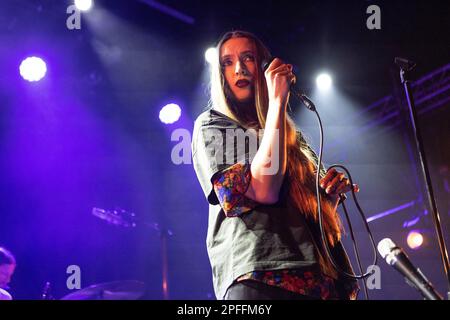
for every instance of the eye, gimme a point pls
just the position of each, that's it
(249, 57)
(226, 63)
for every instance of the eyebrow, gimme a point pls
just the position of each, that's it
(242, 53)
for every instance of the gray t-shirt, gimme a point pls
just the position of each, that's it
(268, 237)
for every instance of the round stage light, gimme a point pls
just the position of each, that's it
(324, 81)
(210, 55)
(170, 113)
(33, 69)
(83, 5)
(415, 239)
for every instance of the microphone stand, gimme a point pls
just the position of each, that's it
(405, 67)
(164, 234)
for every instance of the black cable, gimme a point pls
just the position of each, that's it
(310, 105)
(320, 218)
(355, 250)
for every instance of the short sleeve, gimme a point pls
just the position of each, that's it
(230, 187)
(216, 147)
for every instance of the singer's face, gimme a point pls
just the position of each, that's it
(237, 59)
(6, 272)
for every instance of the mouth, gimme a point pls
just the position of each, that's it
(242, 83)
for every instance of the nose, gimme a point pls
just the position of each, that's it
(239, 68)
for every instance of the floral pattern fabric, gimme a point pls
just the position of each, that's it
(307, 283)
(230, 187)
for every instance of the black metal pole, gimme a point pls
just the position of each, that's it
(165, 264)
(406, 66)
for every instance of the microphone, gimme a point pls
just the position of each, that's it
(293, 89)
(398, 259)
(404, 64)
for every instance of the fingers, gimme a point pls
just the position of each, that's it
(278, 68)
(279, 77)
(282, 71)
(346, 188)
(291, 77)
(274, 64)
(343, 187)
(285, 70)
(328, 177)
(335, 182)
(285, 76)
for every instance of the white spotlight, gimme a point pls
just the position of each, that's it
(33, 69)
(170, 113)
(83, 5)
(324, 81)
(211, 55)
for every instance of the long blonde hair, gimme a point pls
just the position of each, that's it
(301, 163)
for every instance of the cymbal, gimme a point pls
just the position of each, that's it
(117, 290)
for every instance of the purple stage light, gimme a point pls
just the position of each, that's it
(170, 113)
(33, 69)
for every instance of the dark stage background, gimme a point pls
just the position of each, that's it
(88, 134)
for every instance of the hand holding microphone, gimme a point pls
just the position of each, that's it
(287, 85)
(279, 78)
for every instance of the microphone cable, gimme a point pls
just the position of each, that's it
(325, 244)
(361, 276)
(310, 105)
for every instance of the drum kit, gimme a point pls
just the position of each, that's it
(119, 290)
